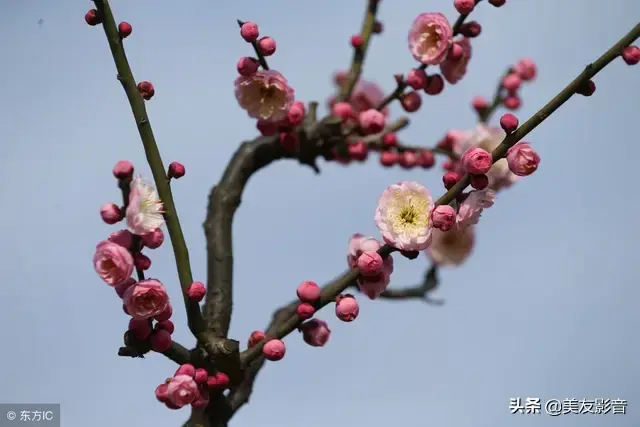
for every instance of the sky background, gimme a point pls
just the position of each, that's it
(546, 307)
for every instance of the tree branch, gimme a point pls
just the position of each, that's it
(125, 76)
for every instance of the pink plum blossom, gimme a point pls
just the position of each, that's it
(113, 263)
(315, 332)
(470, 210)
(522, 159)
(145, 211)
(403, 216)
(264, 95)
(182, 390)
(146, 299)
(454, 70)
(430, 37)
(451, 248)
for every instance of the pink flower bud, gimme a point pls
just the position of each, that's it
(512, 82)
(377, 27)
(390, 139)
(426, 159)
(480, 103)
(388, 158)
(176, 170)
(249, 32)
(370, 263)
(479, 182)
(161, 393)
(509, 123)
(111, 213)
(186, 369)
(222, 380)
(464, 7)
(471, 29)
(160, 341)
(140, 328)
(266, 128)
(212, 382)
(255, 338)
(631, 55)
(201, 376)
(124, 29)
(274, 350)
(289, 140)
(308, 291)
(371, 121)
(476, 161)
(146, 90)
(196, 291)
(344, 111)
(154, 239)
(166, 314)
(443, 217)
(123, 238)
(358, 150)
(315, 332)
(455, 53)
(417, 78)
(142, 262)
(450, 179)
(202, 400)
(267, 46)
(167, 325)
(247, 66)
(408, 159)
(497, 3)
(123, 170)
(93, 17)
(522, 159)
(296, 113)
(411, 102)
(435, 85)
(526, 69)
(122, 287)
(512, 102)
(356, 41)
(305, 311)
(347, 308)
(587, 88)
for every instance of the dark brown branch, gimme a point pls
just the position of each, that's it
(429, 283)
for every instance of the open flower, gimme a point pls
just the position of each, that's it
(146, 299)
(403, 216)
(430, 37)
(451, 248)
(144, 213)
(112, 262)
(454, 69)
(470, 210)
(488, 138)
(264, 95)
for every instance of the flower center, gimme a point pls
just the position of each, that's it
(408, 216)
(412, 217)
(266, 92)
(108, 264)
(429, 40)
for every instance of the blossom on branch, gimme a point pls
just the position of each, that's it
(264, 95)
(144, 213)
(454, 69)
(403, 216)
(430, 38)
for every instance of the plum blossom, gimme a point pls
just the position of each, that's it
(451, 248)
(454, 70)
(182, 390)
(112, 262)
(522, 159)
(145, 211)
(430, 37)
(146, 299)
(264, 95)
(488, 138)
(470, 210)
(403, 216)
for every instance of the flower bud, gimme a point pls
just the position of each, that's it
(476, 161)
(196, 291)
(247, 66)
(111, 213)
(522, 159)
(631, 55)
(176, 170)
(255, 338)
(305, 311)
(167, 325)
(123, 170)
(267, 46)
(388, 158)
(201, 376)
(142, 262)
(146, 90)
(450, 179)
(411, 102)
(443, 217)
(370, 263)
(308, 292)
(140, 328)
(186, 369)
(371, 121)
(124, 29)
(249, 32)
(160, 341)
(347, 308)
(464, 7)
(356, 41)
(417, 78)
(435, 85)
(154, 239)
(479, 182)
(509, 123)
(274, 350)
(315, 332)
(93, 17)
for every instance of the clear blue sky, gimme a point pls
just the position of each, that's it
(546, 307)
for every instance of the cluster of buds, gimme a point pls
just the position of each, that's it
(190, 386)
